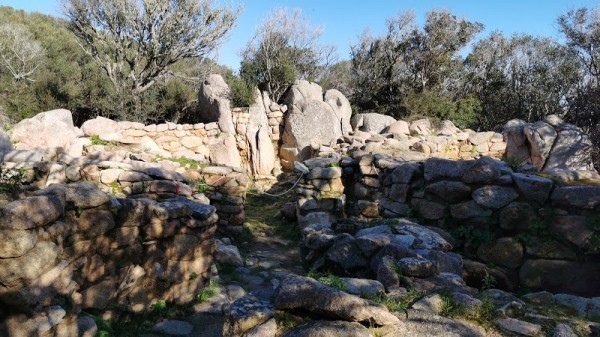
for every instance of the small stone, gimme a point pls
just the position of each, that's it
(512, 325)
(173, 328)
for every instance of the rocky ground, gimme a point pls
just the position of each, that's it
(260, 289)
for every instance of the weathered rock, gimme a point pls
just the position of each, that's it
(309, 123)
(550, 249)
(421, 127)
(262, 152)
(303, 90)
(469, 210)
(416, 267)
(425, 238)
(23, 156)
(534, 188)
(450, 191)
(329, 329)
(345, 253)
(81, 194)
(213, 99)
(16, 243)
(224, 152)
(522, 328)
(517, 216)
(38, 325)
(98, 295)
(483, 171)
(572, 150)
(51, 129)
(29, 266)
(267, 329)
(438, 168)
(297, 292)
(429, 210)
(587, 197)
(563, 330)
(5, 145)
(31, 212)
(494, 197)
(369, 244)
(361, 287)
(106, 129)
(541, 137)
(371, 122)
(228, 254)
(173, 328)
(246, 313)
(427, 324)
(398, 128)
(516, 147)
(504, 252)
(341, 107)
(573, 228)
(561, 276)
(95, 222)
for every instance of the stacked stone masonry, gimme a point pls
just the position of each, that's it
(529, 231)
(74, 247)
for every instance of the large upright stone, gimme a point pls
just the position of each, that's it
(213, 99)
(516, 147)
(541, 137)
(309, 122)
(303, 90)
(371, 122)
(262, 153)
(47, 129)
(572, 150)
(341, 107)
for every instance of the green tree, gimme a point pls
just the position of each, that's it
(412, 71)
(136, 42)
(284, 48)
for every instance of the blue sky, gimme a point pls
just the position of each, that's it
(345, 20)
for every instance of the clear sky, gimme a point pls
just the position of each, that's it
(345, 20)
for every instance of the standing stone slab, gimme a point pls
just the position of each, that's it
(541, 137)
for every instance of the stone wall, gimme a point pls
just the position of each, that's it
(73, 247)
(528, 229)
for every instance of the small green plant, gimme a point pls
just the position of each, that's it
(115, 188)
(211, 289)
(160, 309)
(187, 162)
(97, 141)
(193, 276)
(512, 162)
(488, 281)
(484, 313)
(329, 280)
(286, 321)
(450, 307)
(396, 304)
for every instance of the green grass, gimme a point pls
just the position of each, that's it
(396, 304)
(210, 290)
(136, 325)
(97, 141)
(187, 162)
(261, 220)
(329, 280)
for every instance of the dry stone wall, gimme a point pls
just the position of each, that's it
(526, 230)
(73, 247)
